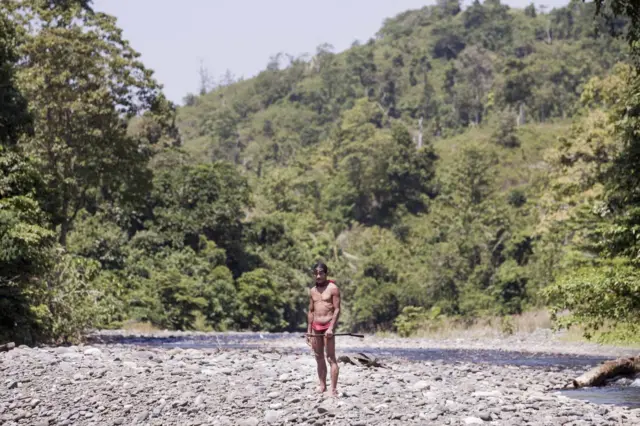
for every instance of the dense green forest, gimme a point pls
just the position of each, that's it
(459, 164)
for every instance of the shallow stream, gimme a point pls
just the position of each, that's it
(628, 396)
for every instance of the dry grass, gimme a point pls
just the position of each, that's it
(531, 321)
(527, 322)
(620, 336)
(140, 327)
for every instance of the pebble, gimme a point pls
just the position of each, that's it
(114, 384)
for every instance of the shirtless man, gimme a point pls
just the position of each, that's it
(324, 309)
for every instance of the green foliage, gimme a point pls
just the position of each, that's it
(75, 60)
(395, 162)
(595, 178)
(596, 295)
(190, 201)
(13, 108)
(68, 307)
(415, 318)
(505, 133)
(179, 288)
(261, 304)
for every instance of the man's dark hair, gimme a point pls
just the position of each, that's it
(322, 266)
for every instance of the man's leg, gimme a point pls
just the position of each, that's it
(331, 356)
(317, 344)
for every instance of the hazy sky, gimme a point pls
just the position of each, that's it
(241, 35)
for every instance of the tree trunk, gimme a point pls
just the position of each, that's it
(521, 116)
(64, 230)
(7, 347)
(598, 375)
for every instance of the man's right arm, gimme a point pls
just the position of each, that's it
(309, 319)
(310, 314)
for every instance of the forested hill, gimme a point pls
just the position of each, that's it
(328, 142)
(454, 68)
(435, 168)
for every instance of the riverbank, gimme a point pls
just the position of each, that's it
(538, 341)
(116, 384)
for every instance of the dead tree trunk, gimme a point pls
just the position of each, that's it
(7, 347)
(598, 375)
(521, 116)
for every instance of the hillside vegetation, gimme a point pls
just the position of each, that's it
(437, 168)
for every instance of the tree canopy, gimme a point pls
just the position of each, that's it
(463, 162)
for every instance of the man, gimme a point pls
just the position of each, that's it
(324, 310)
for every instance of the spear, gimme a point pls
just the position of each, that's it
(335, 334)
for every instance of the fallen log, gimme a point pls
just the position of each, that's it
(597, 376)
(7, 347)
(360, 359)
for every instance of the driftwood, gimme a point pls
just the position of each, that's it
(597, 376)
(360, 359)
(7, 347)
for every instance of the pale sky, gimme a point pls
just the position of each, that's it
(175, 37)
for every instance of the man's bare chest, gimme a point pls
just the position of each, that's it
(325, 295)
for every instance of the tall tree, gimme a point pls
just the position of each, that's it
(84, 83)
(13, 106)
(25, 242)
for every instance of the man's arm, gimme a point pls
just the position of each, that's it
(310, 313)
(336, 310)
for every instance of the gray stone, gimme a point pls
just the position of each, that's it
(251, 421)
(485, 416)
(272, 416)
(421, 385)
(142, 417)
(70, 356)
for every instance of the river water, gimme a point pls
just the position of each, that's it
(628, 396)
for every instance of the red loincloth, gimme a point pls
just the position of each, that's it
(320, 327)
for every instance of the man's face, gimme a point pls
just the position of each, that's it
(320, 275)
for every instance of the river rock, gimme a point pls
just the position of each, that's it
(115, 384)
(251, 421)
(421, 385)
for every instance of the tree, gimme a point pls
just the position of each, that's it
(206, 81)
(14, 118)
(475, 70)
(530, 11)
(360, 63)
(26, 249)
(505, 133)
(190, 202)
(261, 305)
(84, 83)
(597, 182)
(26, 245)
(449, 7)
(448, 44)
(610, 10)
(411, 174)
(517, 83)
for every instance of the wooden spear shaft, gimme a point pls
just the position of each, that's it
(335, 334)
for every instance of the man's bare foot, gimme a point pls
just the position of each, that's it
(334, 393)
(321, 389)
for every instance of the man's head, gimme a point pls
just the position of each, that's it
(320, 272)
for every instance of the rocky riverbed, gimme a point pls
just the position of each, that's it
(117, 384)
